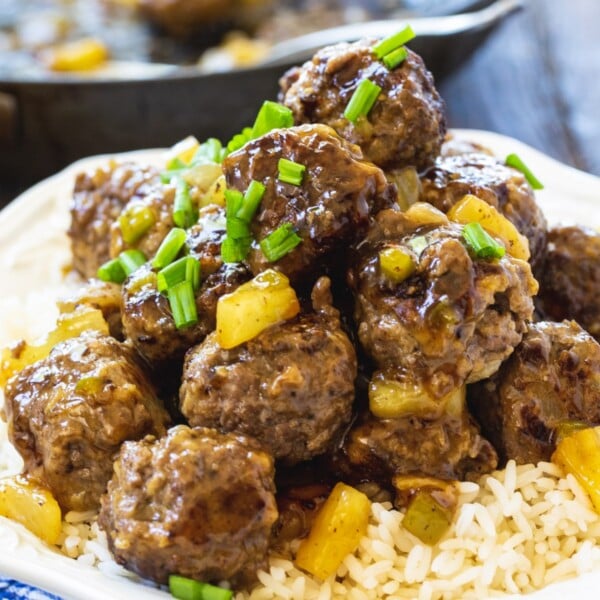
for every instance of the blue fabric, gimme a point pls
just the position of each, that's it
(15, 590)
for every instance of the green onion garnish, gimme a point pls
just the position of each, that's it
(135, 221)
(131, 260)
(365, 95)
(393, 59)
(252, 199)
(279, 242)
(418, 244)
(393, 42)
(271, 115)
(513, 160)
(239, 140)
(233, 251)
(112, 270)
(175, 164)
(186, 268)
(183, 304)
(184, 588)
(210, 151)
(169, 248)
(481, 242)
(184, 211)
(237, 228)
(233, 201)
(290, 171)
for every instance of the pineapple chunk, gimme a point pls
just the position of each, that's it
(394, 399)
(81, 55)
(422, 213)
(471, 209)
(426, 518)
(336, 532)
(396, 264)
(183, 150)
(215, 193)
(579, 454)
(257, 304)
(68, 325)
(31, 505)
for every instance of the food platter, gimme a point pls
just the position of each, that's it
(33, 253)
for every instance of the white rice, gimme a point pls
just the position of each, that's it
(515, 531)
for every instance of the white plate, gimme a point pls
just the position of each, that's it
(34, 247)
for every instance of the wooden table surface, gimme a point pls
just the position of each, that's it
(537, 78)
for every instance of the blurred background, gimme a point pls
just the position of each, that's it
(82, 77)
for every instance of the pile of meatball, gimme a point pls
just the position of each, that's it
(189, 450)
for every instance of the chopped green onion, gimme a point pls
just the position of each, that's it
(418, 244)
(184, 211)
(184, 588)
(134, 221)
(210, 151)
(183, 304)
(365, 95)
(393, 42)
(239, 140)
(233, 201)
(169, 248)
(175, 164)
(279, 242)
(131, 260)
(481, 242)
(233, 251)
(513, 160)
(112, 270)
(237, 228)
(290, 171)
(186, 268)
(271, 115)
(393, 59)
(252, 198)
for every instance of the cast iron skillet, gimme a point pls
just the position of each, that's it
(45, 125)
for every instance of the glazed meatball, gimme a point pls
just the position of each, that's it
(331, 207)
(69, 413)
(570, 280)
(291, 387)
(197, 503)
(446, 447)
(551, 378)
(453, 319)
(147, 317)
(406, 125)
(98, 199)
(505, 188)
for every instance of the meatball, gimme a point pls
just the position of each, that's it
(446, 447)
(570, 279)
(505, 188)
(407, 123)
(331, 207)
(551, 379)
(454, 319)
(69, 413)
(147, 317)
(197, 503)
(291, 387)
(98, 199)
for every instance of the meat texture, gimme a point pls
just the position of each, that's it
(552, 378)
(329, 209)
(147, 317)
(405, 126)
(197, 503)
(69, 413)
(453, 320)
(98, 198)
(570, 280)
(503, 187)
(447, 447)
(291, 387)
